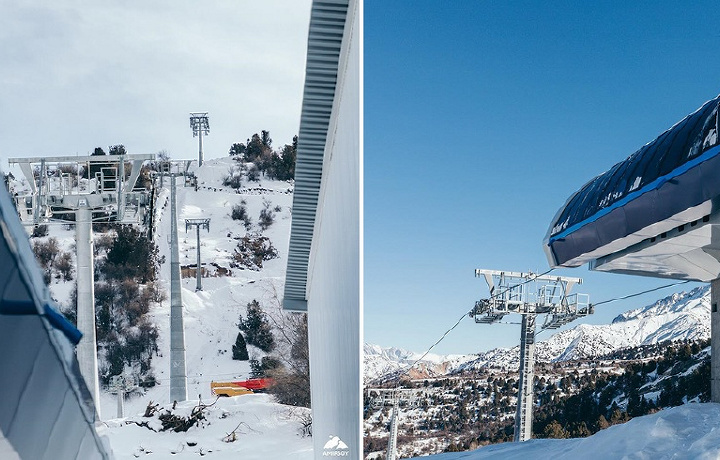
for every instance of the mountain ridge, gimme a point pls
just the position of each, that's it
(679, 316)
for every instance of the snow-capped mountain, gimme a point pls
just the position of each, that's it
(383, 361)
(680, 316)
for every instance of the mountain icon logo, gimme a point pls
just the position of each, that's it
(335, 443)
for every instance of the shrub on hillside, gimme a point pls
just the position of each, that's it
(292, 380)
(40, 231)
(63, 264)
(251, 251)
(132, 255)
(267, 216)
(233, 180)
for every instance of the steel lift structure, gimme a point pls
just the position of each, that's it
(392, 397)
(529, 295)
(58, 193)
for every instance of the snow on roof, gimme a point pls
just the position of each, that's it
(650, 188)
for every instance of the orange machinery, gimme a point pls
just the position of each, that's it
(242, 387)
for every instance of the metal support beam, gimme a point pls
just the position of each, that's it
(200, 153)
(715, 340)
(523, 415)
(178, 376)
(198, 272)
(393, 397)
(87, 348)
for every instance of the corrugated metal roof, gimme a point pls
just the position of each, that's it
(327, 25)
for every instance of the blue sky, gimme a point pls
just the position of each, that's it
(481, 118)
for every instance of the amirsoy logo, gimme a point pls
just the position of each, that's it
(335, 448)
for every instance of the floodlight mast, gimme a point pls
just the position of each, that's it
(510, 293)
(200, 125)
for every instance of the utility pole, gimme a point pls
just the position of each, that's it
(200, 125)
(198, 223)
(511, 292)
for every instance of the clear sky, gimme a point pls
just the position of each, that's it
(75, 75)
(482, 118)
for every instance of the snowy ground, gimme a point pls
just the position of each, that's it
(691, 431)
(264, 430)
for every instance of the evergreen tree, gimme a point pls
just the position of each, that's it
(117, 149)
(237, 149)
(239, 350)
(257, 328)
(132, 255)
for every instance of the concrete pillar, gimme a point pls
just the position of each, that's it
(178, 376)
(715, 340)
(87, 348)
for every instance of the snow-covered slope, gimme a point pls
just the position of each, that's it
(263, 430)
(211, 317)
(688, 431)
(681, 316)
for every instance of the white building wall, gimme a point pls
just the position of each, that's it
(333, 290)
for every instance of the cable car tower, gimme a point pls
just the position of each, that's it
(529, 295)
(380, 397)
(59, 193)
(178, 374)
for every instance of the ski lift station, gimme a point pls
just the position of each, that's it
(654, 214)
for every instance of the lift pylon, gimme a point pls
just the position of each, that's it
(529, 295)
(380, 397)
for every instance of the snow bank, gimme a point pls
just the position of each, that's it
(263, 430)
(688, 432)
